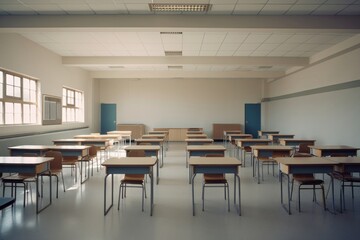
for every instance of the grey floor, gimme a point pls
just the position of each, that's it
(78, 213)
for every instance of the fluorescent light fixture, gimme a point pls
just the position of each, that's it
(176, 7)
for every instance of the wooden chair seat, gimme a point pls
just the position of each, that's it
(214, 178)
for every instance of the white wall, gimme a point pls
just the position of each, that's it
(180, 102)
(329, 117)
(21, 55)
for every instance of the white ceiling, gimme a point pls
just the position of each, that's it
(235, 39)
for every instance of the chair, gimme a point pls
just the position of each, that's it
(307, 180)
(23, 179)
(346, 179)
(215, 180)
(133, 180)
(303, 150)
(56, 168)
(70, 162)
(93, 150)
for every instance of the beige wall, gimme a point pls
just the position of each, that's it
(21, 55)
(329, 117)
(180, 102)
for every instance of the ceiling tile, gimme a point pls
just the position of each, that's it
(214, 37)
(76, 8)
(251, 9)
(248, 46)
(207, 53)
(277, 38)
(328, 9)
(191, 52)
(274, 9)
(351, 10)
(234, 37)
(299, 38)
(105, 37)
(256, 38)
(229, 46)
(17, 9)
(71, 37)
(191, 37)
(128, 37)
(191, 46)
(150, 37)
(267, 47)
(222, 9)
(242, 53)
(225, 53)
(210, 47)
(138, 8)
(302, 9)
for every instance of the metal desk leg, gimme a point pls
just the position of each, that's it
(237, 177)
(37, 195)
(192, 191)
(106, 210)
(151, 191)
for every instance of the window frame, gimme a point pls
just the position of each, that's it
(72, 107)
(7, 98)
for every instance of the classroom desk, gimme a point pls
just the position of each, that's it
(81, 141)
(159, 136)
(295, 142)
(153, 141)
(198, 141)
(248, 142)
(79, 151)
(303, 165)
(196, 136)
(265, 133)
(66, 150)
(20, 150)
(232, 137)
(124, 135)
(276, 137)
(128, 165)
(37, 165)
(202, 150)
(225, 165)
(150, 151)
(166, 139)
(227, 132)
(267, 152)
(323, 151)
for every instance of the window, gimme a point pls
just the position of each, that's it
(73, 105)
(18, 99)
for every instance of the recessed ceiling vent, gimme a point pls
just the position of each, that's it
(178, 7)
(265, 67)
(173, 53)
(175, 67)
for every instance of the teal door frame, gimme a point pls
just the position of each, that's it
(252, 118)
(108, 117)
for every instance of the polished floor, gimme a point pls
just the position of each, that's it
(78, 213)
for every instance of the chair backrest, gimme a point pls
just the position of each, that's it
(214, 155)
(55, 164)
(304, 148)
(136, 153)
(93, 151)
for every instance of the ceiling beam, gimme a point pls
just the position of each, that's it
(262, 23)
(183, 60)
(187, 74)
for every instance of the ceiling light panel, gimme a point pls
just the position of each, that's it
(174, 7)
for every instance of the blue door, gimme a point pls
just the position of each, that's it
(108, 117)
(252, 118)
